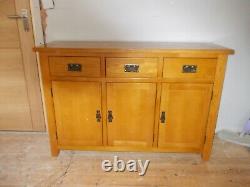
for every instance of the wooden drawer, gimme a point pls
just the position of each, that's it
(131, 67)
(189, 68)
(75, 66)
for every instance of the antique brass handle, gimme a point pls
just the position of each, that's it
(98, 116)
(74, 67)
(189, 68)
(110, 116)
(131, 68)
(163, 117)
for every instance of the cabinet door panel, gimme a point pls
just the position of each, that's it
(76, 104)
(132, 106)
(186, 107)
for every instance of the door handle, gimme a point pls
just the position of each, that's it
(24, 16)
(163, 117)
(110, 116)
(98, 116)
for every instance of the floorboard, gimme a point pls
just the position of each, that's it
(25, 161)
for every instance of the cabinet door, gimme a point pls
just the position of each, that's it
(132, 106)
(76, 105)
(186, 108)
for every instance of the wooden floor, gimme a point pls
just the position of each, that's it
(25, 161)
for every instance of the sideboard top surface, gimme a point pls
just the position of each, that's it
(133, 46)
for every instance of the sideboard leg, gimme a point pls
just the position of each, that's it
(214, 106)
(54, 151)
(49, 104)
(205, 155)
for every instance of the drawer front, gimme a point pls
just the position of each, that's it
(75, 66)
(189, 68)
(131, 67)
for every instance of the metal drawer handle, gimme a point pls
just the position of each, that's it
(74, 67)
(189, 68)
(163, 117)
(98, 116)
(131, 68)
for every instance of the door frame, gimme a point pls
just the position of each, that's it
(31, 69)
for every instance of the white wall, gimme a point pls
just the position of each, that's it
(225, 22)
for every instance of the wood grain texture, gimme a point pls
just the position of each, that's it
(157, 113)
(173, 68)
(214, 108)
(14, 103)
(228, 166)
(90, 66)
(9, 35)
(132, 106)
(49, 104)
(31, 69)
(146, 80)
(136, 102)
(104, 112)
(19, 69)
(104, 102)
(158, 100)
(76, 104)
(131, 146)
(144, 47)
(186, 107)
(147, 67)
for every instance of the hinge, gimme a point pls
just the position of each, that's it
(56, 136)
(205, 139)
(51, 92)
(212, 95)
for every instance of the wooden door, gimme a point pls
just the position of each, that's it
(76, 105)
(20, 97)
(186, 108)
(133, 107)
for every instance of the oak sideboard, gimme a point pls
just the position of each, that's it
(132, 96)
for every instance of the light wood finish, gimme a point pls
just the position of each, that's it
(104, 116)
(14, 104)
(158, 101)
(132, 147)
(228, 166)
(214, 108)
(132, 106)
(9, 36)
(49, 104)
(191, 101)
(76, 104)
(19, 72)
(146, 80)
(31, 69)
(147, 67)
(178, 48)
(186, 107)
(173, 68)
(90, 66)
